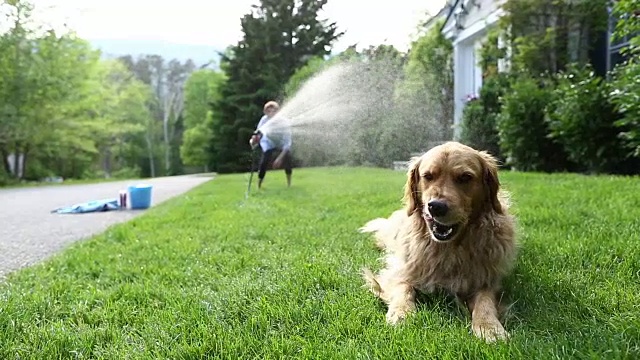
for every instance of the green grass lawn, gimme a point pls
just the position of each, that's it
(210, 275)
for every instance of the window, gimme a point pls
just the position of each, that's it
(614, 54)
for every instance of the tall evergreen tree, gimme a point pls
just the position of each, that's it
(280, 36)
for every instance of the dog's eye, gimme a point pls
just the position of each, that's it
(464, 178)
(428, 176)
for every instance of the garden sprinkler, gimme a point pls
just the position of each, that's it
(254, 145)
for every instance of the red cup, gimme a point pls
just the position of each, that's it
(123, 199)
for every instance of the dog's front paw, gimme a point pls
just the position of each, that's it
(396, 314)
(490, 331)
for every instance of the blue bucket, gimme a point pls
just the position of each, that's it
(140, 196)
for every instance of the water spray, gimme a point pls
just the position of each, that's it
(349, 110)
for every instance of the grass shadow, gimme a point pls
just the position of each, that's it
(572, 316)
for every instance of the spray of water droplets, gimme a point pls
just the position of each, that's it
(356, 113)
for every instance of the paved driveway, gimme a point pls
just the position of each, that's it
(29, 232)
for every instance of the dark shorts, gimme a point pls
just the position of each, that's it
(267, 159)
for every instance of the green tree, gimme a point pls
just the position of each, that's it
(315, 66)
(429, 80)
(306, 72)
(201, 89)
(162, 136)
(353, 109)
(423, 98)
(16, 58)
(280, 36)
(382, 117)
(96, 123)
(42, 69)
(63, 111)
(172, 107)
(118, 103)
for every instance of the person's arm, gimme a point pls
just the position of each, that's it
(261, 122)
(255, 139)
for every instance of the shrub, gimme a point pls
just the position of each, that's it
(479, 128)
(581, 118)
(626, 76)
(5, 179)
(474, 128)
(625, 96)
(127, 173)
(523, 130)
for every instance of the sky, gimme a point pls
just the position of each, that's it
(217, 22)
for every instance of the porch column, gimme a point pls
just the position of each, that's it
(457, 90)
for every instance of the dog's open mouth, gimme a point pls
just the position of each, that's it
(441, 232)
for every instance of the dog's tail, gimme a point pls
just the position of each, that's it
(377, 226)
(372, 282)
(374, 225)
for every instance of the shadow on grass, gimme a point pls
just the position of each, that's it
(576, 319)
(547, 313)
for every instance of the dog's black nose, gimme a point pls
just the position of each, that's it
(437, 208)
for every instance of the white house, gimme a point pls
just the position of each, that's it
(466, 25)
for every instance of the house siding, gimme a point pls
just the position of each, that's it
(468, 29)
(479, 12)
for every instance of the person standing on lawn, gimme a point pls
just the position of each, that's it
(272, 143)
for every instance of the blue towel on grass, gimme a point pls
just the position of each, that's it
(89, 206)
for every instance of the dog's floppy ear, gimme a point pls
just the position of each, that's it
(491, 181)
(411, 195)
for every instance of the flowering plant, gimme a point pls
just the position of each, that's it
(471, 97)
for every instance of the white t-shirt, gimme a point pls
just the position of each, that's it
(277, 137)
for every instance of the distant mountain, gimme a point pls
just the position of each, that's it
(200, 54)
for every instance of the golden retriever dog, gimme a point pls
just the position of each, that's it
(454, 234)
